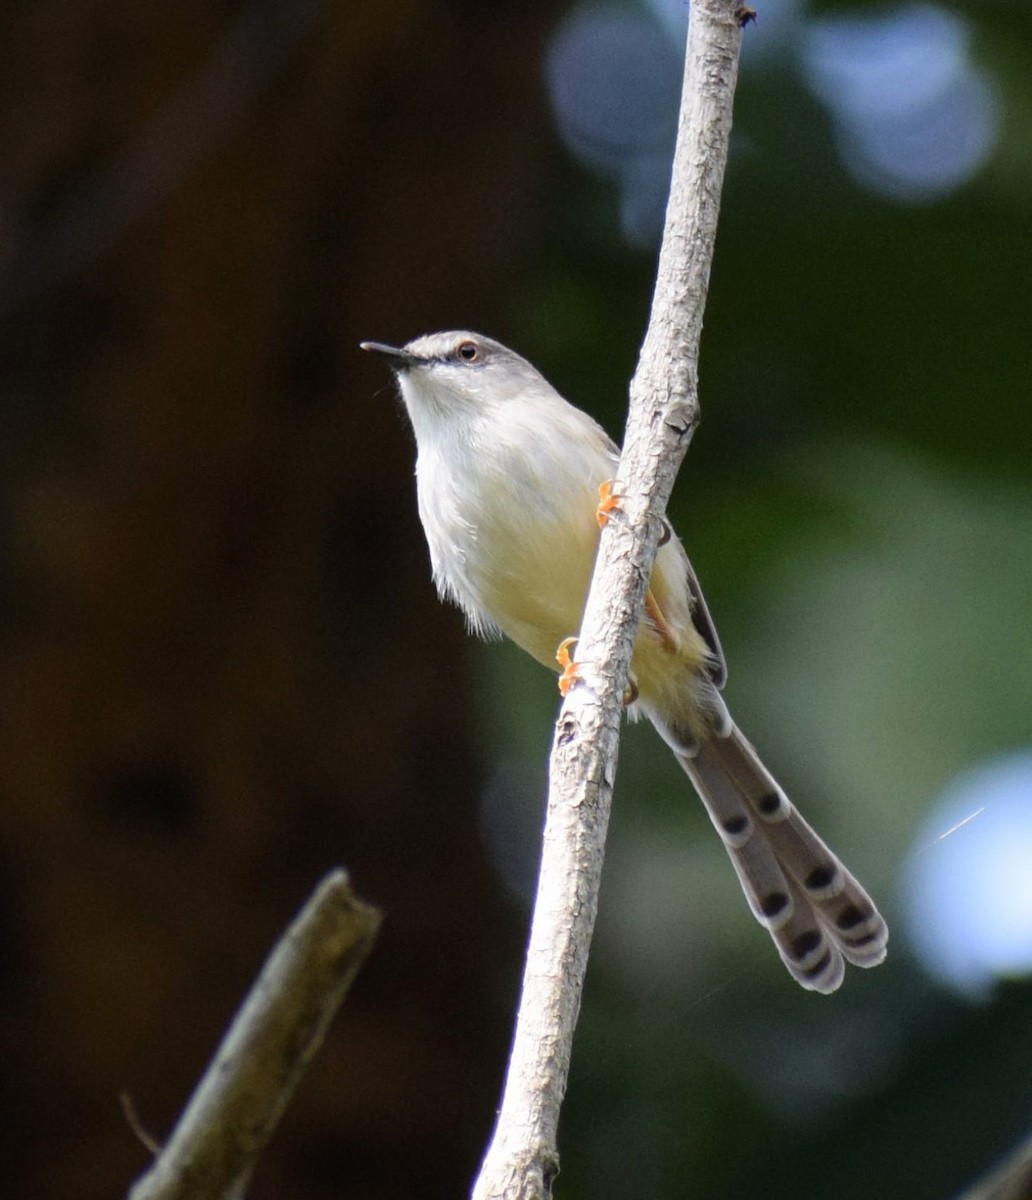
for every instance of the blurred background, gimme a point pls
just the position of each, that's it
(223, 668)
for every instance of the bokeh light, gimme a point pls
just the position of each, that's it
(614, 78)
(969, 882)
(914, 117)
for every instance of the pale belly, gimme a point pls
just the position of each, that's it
(535, 582)
(513, 543)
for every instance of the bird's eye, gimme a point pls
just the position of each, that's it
(467, 350)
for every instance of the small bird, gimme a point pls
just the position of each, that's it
(513, 484)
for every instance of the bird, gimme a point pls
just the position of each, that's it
(513, 483)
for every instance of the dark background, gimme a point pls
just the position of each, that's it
(223, 669)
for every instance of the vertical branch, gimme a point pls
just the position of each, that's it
(522, 1159)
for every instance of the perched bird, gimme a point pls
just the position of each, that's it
(509, 477)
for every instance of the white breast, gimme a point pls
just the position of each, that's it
(509, 515)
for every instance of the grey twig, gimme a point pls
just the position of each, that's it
(1009, 1180)
(236, 1105)
(522, 1159)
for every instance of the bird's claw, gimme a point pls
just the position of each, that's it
(571, 671)
(608, 502)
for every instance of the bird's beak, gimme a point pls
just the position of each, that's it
(399, 359)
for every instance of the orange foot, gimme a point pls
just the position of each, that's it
(571, 672)
(608, 501)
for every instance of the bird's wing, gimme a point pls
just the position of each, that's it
(704, 626)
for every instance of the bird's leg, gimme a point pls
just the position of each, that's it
(608, 502)
(654, 616)
(571, 672)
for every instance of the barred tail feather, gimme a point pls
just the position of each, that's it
(815, 910)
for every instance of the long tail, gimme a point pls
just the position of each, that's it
(817, 913)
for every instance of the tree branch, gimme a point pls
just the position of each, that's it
(1009, 1180)
(522, 1159)
(235, 1108)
